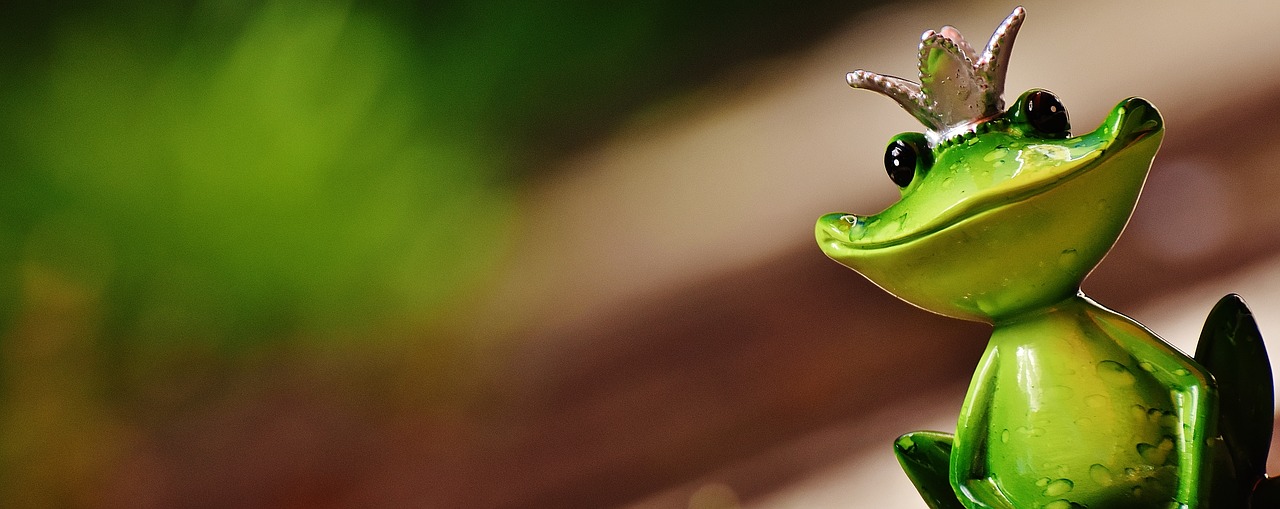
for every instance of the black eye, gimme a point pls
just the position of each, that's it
(900, 162)
(1046, 114)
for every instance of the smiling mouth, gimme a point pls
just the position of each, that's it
(1132, 121)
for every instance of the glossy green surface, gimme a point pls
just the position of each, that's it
(1003, 222)
(1075, 404)
(1072, 405)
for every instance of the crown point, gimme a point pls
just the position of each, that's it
(957, 87)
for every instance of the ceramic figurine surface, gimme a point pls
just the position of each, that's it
(1002, 215)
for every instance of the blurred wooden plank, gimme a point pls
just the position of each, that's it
(669, 389)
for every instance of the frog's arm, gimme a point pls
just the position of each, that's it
(1194, 398)
(969, 475)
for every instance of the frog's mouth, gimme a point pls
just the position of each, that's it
(1132, 121)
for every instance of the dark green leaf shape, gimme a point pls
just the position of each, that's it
(926, 457)
(1231, 349)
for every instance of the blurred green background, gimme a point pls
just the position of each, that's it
(233, 230)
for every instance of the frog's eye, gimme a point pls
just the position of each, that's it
(1046, 114)
(901, 158)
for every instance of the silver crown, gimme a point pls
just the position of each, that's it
(957, 88)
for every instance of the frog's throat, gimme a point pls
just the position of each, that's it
(1128, 130)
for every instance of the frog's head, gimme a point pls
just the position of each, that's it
(1002, 210)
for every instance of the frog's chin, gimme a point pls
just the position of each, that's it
(1018, 244)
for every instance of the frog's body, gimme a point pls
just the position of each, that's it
(1084, 405)
(1003, 214)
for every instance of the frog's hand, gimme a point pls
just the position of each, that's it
(1231, 349)
(926, 457)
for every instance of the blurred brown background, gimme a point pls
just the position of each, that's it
(376, 254)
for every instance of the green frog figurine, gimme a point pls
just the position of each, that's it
(1003, 213)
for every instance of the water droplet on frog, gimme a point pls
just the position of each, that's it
(1058, 504)
(1068, 258)
(1004, 436)
(1181, 372)
(995, 154)
(946, 183)
(1155, 454)
(1097, 400)
(1147, 366)
(1116, 374)
(1058, 487)
(1030, 431)
(1155, 414)
(1100, 474)
(1043, 481)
